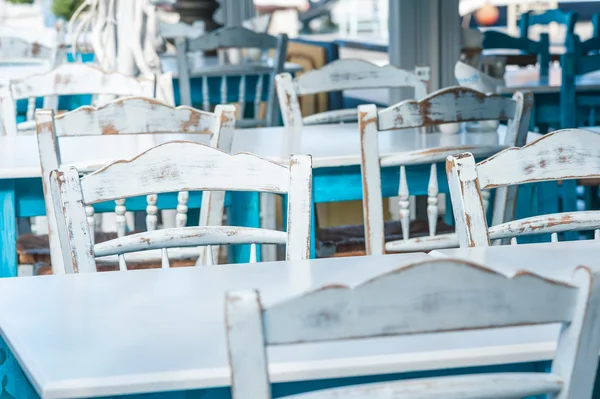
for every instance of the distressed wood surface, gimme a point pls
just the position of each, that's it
(450, 105)
(19, 49)
(128, 116)
(466, 296)
(180, 167)
(234, 37)
(560, 155)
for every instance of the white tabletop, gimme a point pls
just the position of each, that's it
(13, 70)
(160, 330)
(529, 79)
(330, 145)
(553, 260)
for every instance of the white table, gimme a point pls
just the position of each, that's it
(163, 330)
(330, 145)
(553, 260)
(530, 79)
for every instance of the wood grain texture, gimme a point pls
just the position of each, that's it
(232, 37)
(430, 296)
(449, 105)
(180, 167)
(560, 155)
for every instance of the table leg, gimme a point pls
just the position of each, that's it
(8, 229)
(14, 384)
(244, 211)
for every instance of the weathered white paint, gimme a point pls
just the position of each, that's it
(560, 155)
(466, 296)
(182, 166)
(450, 105)
(126, 116)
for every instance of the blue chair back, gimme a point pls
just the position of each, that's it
(575, 63)
(593, 43)
(498, 40)
(566, 18)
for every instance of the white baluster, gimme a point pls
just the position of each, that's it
(30, 108)
(242, 98)
(165, 259)
(554, 237)
(432, 201)
(253, 253)
(403, 201)
(151, 212)
(205, 97)
(182, 208)
(223, 89)
(209, 261)
(513, 241)
(485, 199)
(258, 97)
(596, 234)
(91, 221)
(122, 264)
(121, 220)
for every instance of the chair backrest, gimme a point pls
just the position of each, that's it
(342, 75)
(127, 116)
(498, 40)
(245, 76)
(580, 58)
(67, 79)
(560, 155)
(566, 18)
(173, 167)
(427, 297)
(450, 105)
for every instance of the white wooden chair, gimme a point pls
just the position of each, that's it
(72, 79)
(235, 37)
(450, 105)
(560, 155)
(18, 45)
(340, 75)
(134, 115)
(172, 167)
(428, 297)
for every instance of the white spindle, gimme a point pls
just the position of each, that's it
(485, 199)
(554, 237)
(209, 256)
(151, 212)
(596, 234)
(242, 97)
(258, 97)
(432, 200)
(513, 241)
(122, 264)
(30, 108)
(223, 89)
(404, 203)
(91, 221)
(121, 220)
(182, 208)
(205, 96)
(253, 253)
(165, 259)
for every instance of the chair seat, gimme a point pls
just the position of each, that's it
(497, 385)
(350, 240)
(34, 249)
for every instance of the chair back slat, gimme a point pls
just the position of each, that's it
(560, 155)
